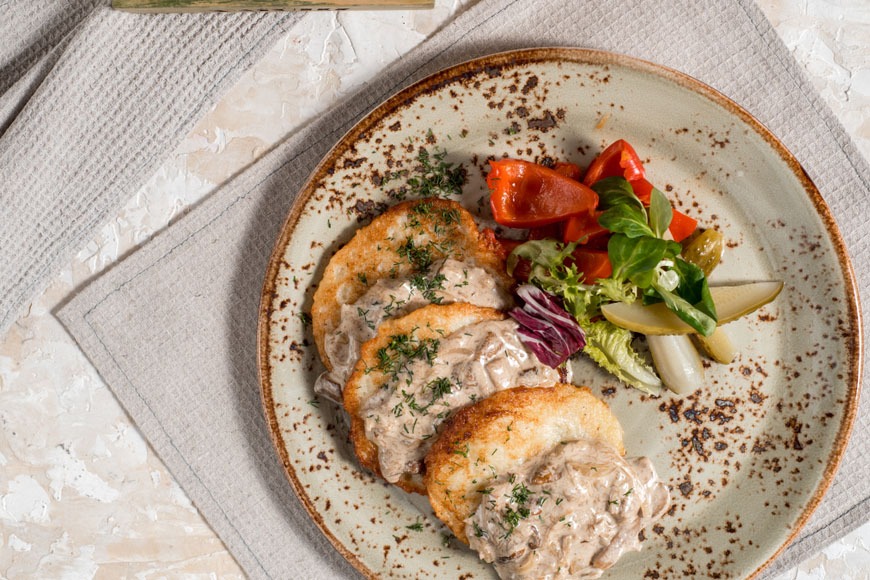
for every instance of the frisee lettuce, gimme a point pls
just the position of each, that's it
(610, 347)
(554, 271)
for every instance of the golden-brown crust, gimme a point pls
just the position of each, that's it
(372, 254)
(433, 321)
(498, 434)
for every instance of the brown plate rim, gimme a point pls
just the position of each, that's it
(584, 56)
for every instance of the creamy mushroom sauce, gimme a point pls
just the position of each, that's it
(446, 281)
(570, 514)
(465, 366)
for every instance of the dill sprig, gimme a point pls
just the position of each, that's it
(427, 286)
(431, 176)
(420, 257)
(401, 350)
(512, 516)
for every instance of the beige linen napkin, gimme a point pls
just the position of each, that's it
(173, 328)
(91, 101)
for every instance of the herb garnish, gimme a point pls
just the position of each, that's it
(420, 257)
(431, 176)
(512, 516)
(520, 493)
(401, 350)
(364, 315)
(478, 531)
(427, 286)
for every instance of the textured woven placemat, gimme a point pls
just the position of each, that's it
(173, 328)
(91, 102)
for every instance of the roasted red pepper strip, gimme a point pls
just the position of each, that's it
(526, 195)
(501, 246)
(619, 159)
(681, 226)
(582, 228)
(569, 170)
(594, 264)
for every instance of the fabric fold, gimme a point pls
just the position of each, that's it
(92, 101)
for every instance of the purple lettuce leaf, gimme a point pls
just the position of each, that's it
(545, 328)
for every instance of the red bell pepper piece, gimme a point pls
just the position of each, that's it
(526, 195)
(619, 159)
(569, 170)
(594, 264)
(681, 226)
(582, 228)
(544, 232)
(643, 190)
(501, 246)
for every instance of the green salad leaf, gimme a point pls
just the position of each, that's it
(691, 300)
(623, 212)
(610, 347)
(660, 213)
(554, 271)
(635, 259)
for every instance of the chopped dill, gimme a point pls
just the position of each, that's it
(427, 286)
(364, 315)
(520, 494)
(401, 350)
(420, 257)
(512, 518)
(440, 387)
(431, 176)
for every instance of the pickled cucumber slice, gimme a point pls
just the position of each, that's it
(731, 302)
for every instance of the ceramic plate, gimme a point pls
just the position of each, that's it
(748, 457)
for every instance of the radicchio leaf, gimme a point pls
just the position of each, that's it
(545, 328)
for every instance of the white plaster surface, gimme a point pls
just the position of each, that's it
(81, 493)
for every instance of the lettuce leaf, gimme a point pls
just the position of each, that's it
(690, 300)
(610, 347)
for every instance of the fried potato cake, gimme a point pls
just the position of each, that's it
(498, 434)
(371, 374)
(402, 241)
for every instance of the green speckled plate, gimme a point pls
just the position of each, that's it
(748, 457)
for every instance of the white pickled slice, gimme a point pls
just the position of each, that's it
(677, 362)
(731, 302)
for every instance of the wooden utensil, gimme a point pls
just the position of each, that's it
(237, 5)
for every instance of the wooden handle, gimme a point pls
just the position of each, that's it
(237, 5)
